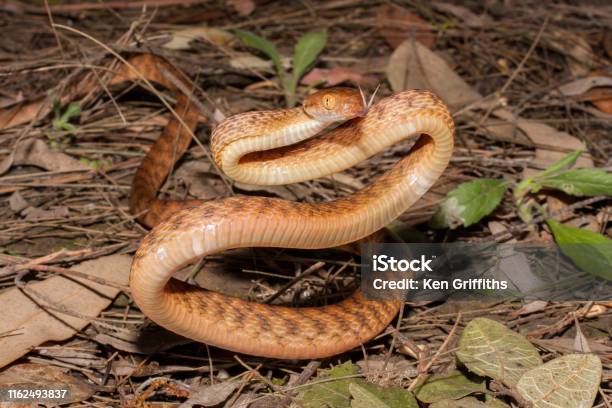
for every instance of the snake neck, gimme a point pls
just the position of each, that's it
(239, 139)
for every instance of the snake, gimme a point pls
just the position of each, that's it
(333, 130)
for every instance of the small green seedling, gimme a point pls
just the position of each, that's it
(305, 53)
(61, 121)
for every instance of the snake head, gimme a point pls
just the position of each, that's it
(335, 105)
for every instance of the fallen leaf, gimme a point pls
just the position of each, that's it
(453, 385)
(581, 343)
(39, 376)
(490, 349)
(464, 14)
(337, 76)
(32, 213)
(580, 86)
(531, 307)
(151, 339)
(396, 24)
(35, 152)
(596, 88)
(249, 61)
(577, 50)
(242, 7)
(197, 176)
(414, 66)
(17, 202)
(567, 345)
(570, 381)
(377, 366)
(30, 325)
(548, 141)
(366, 395)
(332, 393)
(210, 395)
(182, 38)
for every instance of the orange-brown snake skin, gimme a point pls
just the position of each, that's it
(271, 147)
(276, 147)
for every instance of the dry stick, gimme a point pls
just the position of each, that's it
(515, 72)
(27, 263)
(301, 379)
(69, 272)
(293, 281)
(255, 372)
(395, 334)
(57, 39)
(438, 352)
(63, 8)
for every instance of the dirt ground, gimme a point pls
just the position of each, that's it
(527, 83)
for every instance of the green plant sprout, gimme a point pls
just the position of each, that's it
(61, 123)
(469, 202)
(305, 53)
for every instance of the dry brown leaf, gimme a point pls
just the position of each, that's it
(46, 377)
(35, 152)
(182, 38)
(210, 395)
(249, 61)
(414, 66)
(17, 202)
(197, 176)
(151, 339)
(242, 7)
(581, 343)
(580, 86)
(548, 142)
(567, 345)
(464, 14)
(32, 213)
(396, 24)
(30, 325)
(337, 76)
(531, 307)
(578, 52)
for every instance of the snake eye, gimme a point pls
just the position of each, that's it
(329, 102)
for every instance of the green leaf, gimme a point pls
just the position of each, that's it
(581, 182)
(570, 381)
(73, 109)
(263, 45)
(590, 251)
(61, 121)
(562, 164)
(489, 348)
(334, 393)
(492, 402)
(308, 47)
(453, 385)
(367, 395)
(469, 202)
(469, 402)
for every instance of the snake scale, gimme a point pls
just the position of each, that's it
(272, 147)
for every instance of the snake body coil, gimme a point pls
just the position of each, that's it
(271, 147)
(276, 147)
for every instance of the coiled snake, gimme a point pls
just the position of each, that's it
(273, 147)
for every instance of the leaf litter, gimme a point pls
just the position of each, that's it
(514, 118)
